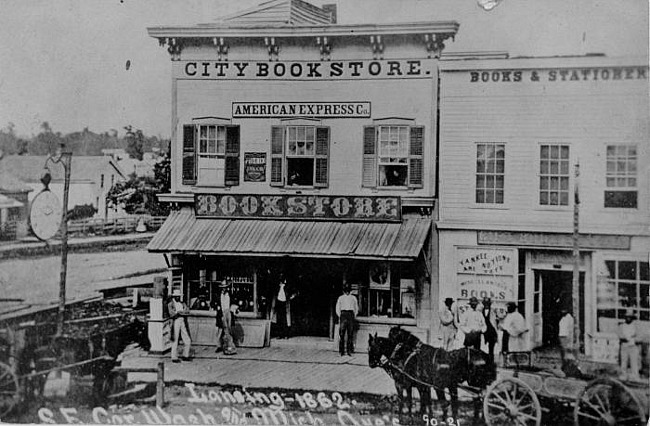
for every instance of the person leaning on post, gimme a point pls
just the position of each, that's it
(178, 313)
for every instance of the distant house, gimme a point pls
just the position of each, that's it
(14, 196)
(91, 177)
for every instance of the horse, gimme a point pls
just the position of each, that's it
(453, 367)
(64, 350)
(380, 351)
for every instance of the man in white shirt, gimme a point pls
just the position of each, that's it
(472, 323)
(447, 324)
(629, 349)
(178, 311)
(347, 309)
(565, 333)
(225, 310)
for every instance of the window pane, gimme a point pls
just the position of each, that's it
(500, 166)
(489, 197)
(555, 152)
(310, 133)
(564, 199)
(564, 183)
(480, 166)
(480, 151)
(627, 270)
(544, 183)
(543, 198)
(565, 152)
(555, 168)
(544, 167)
(489, 182)
(499, 197)
(499, 182)
(545, 151)
(292, 133)
(554, 199)
(645, 289)
(564, 167)
(480, 181)
(611, 268)
(480, 196)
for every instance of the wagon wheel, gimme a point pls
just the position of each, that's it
(510, 401)
(8, 389)
(608, 402)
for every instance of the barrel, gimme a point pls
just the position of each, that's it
(159, 285)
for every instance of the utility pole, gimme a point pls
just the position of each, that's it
(65, 159)
(576, 259)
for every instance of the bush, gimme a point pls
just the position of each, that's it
(84, 211)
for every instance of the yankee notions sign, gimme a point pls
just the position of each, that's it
(304, 70)
(302, 109)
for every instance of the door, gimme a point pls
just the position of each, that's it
(311, 308)
(553, 292)
(537, 309)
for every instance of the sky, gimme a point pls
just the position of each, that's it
(64, 61)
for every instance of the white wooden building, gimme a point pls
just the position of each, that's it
(511, 133)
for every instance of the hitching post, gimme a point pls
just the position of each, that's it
(160, 384)
(576, 261)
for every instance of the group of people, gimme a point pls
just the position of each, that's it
(226, 310)
(479, 326)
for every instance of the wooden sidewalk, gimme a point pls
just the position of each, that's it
(283, 366)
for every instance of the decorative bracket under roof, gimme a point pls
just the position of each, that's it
(435, 43)
(377, 47)
(174, 46)
(325, 47)
(222, 48)
(274, 49)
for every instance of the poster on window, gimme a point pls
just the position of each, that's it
(254, 166)
(380, 276)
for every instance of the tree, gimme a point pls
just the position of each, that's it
(138, 194)
(134, 142)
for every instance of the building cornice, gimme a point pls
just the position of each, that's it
(432, 36)
(356, 30)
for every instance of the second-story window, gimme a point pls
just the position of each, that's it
(621, 176)
(554, 175)
(210, 155)
(300, 156)
(490, 173)
(393, 156)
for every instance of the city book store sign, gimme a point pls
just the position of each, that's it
(486, 272)
(304, 70)
(313, 207)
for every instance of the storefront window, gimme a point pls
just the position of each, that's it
(627, 287)
(203, 285)
(383, 290)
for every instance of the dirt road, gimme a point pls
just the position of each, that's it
(36, 280)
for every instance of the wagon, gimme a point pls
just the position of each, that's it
(514, 398)
(89, 345)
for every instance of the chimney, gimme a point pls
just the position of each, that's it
(331, 9)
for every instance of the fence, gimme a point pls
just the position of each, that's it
(120, 225)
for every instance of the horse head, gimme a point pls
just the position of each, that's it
(379, 348)
(399, 335)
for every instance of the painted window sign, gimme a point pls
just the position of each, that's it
(303, 70)
(254, 166)
(380, 209)
(486, 272)
(302, 109)
(558, 75)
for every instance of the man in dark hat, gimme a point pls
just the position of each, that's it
(225, 307)
(490, 336)
(448, 325)
(472, 323)
(346, 309)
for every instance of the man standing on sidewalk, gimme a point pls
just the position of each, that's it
(178, 311)
(346, 309)
(472, 323)
(629, 349)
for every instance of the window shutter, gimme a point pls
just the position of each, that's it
(277, 155)
(416, 157)
(322, 156)
(369, 168)
(189, 155)
(232, 156)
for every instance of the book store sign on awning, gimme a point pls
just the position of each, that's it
(301, 109)
(313, 207)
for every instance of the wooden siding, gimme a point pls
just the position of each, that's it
(587, 115)
(399, 98)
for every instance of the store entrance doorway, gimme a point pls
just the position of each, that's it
(553, 293)
(313, 287)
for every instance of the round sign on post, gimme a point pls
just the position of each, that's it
(45, 215)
